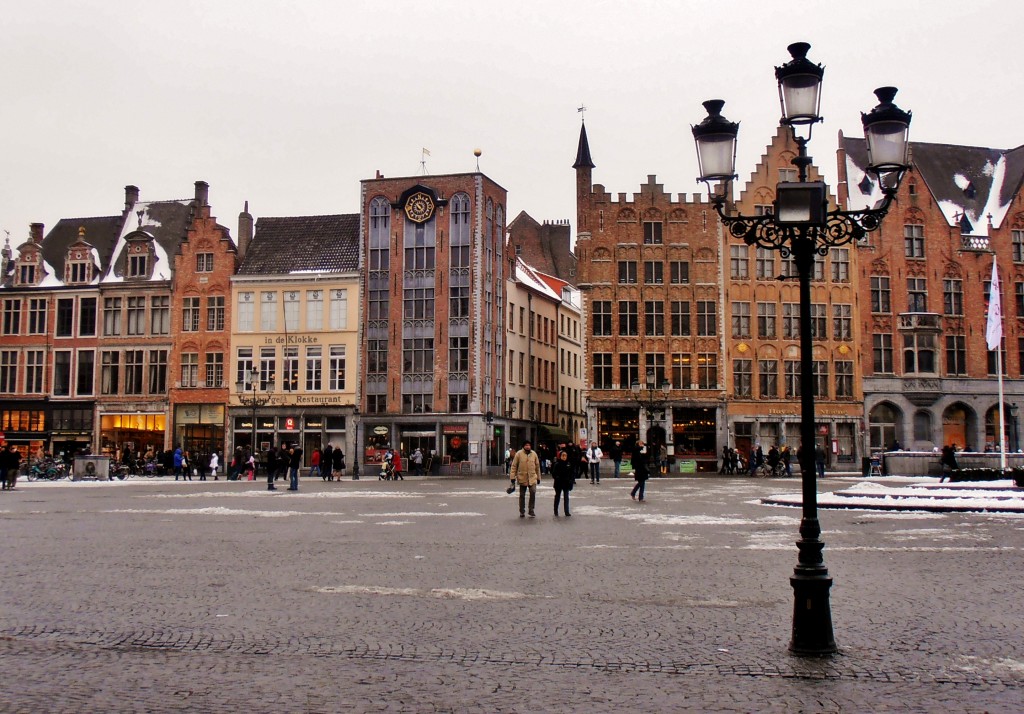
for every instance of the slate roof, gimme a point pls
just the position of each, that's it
(583, 159)
(100, 232)
(166, 221)
(969, 181)
(303, 244)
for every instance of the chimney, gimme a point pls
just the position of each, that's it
(35, 233)
(131, 197)
(244, 231)
(202, 193)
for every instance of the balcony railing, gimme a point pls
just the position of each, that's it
(920, 321)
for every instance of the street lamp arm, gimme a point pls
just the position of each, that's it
(840, 228)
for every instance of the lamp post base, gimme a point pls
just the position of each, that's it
(812, 615)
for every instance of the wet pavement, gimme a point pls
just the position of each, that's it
(433, 595)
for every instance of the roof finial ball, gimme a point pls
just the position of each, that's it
(477, 153)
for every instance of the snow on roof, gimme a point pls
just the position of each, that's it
(50, 277)
(165, 222)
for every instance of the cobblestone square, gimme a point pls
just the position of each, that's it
(432, 595)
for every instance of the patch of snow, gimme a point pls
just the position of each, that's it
(961, 181)
(50, 277)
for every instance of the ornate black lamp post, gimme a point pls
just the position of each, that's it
(800, 225)
(650, 395)
(248, 390)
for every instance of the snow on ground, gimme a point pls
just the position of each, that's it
(918, 495)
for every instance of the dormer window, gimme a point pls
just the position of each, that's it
(138, 266)
(79, 272)
(27, 274)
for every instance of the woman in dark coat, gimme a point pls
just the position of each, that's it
(338, 463)
(564, 480)
(641, 471)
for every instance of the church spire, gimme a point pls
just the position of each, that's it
(583, 159)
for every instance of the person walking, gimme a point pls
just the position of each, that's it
(214, 464)
(525, 471)
(725, 460)
(417, 461)
(948, 462)
(561, 474)
(396, 465)
(615, 452)
(10, 462)
(509, 453)
(819, 460)
(178, 457)
(787, 457)
(338, 463)
(314, 465)
(641, 471)
(294, 464)
(593, 456)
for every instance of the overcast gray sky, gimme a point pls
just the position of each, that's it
(289, 104)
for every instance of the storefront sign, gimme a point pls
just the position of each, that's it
(687, 466)
(289, 423)
(454, 429)
(322, 399)
(381, 430)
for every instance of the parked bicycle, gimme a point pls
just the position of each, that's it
(47, 470)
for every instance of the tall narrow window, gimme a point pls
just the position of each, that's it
(160, 315)
(792, 378)
(8, 371)
(12, 316)
(62, 373)
(339, 309)
(110, 372)
(768, 379)
(138, 266)
(956, 355)
(37, 316)
(844, 379)
(268, 366)
(790, 321)
(459, 231)
(742, 377)
(819, 322)
(739, 262)
(215, 313)
(707, 370)
(189, 314)
(602, 370)
(628, 318)
(679, 272)
(458, 354)
(654, 318)
(629, 369)
(245, 312)
(314, 361)
(682, 371)
(112, 316)
(840, 265)
(290, 376)
(85, 373)
(766, 320)
(65, 317)
(764, 264)
(291, 311)
(34, 371)
(601, 314)
(880, 293)
(913, 241)
(137, 316)
(627, 272)
(243, 364)
(953, 297)
(881, 348)
(842, 322)
(214, 369)
(268, 312)
(380, 234)
(741, 319)
(377, 357)
(707, 318)
(1017, 245)
(133, 371)
(917, 295)
(314, 310)
(680, 318)
(157, 371)
(190, 369)
(654, 272)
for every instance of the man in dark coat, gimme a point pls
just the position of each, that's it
(294, 464)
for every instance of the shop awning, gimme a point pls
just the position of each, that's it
(554, 432)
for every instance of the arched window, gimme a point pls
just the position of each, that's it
(922, 426)
(883, 423)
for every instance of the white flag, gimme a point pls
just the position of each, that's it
(994, 328)
(426, 152)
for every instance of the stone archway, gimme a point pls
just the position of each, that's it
(959, 424)
(885, 426)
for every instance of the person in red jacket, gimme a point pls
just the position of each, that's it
(396, 465)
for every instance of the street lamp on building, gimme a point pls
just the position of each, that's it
(800, 225)
(248, 391)
(650, 395)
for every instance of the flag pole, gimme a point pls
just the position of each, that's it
(1002, 420)
(994, 341)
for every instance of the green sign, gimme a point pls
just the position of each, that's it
(687, 466)
(626, 466)
(498, 431)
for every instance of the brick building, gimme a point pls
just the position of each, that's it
(929, 378)
(201, 329)
(543, 246)
(650, 273)
(762, 333)
(433, 323)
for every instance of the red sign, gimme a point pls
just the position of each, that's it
(289, 424)
(456, 442)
